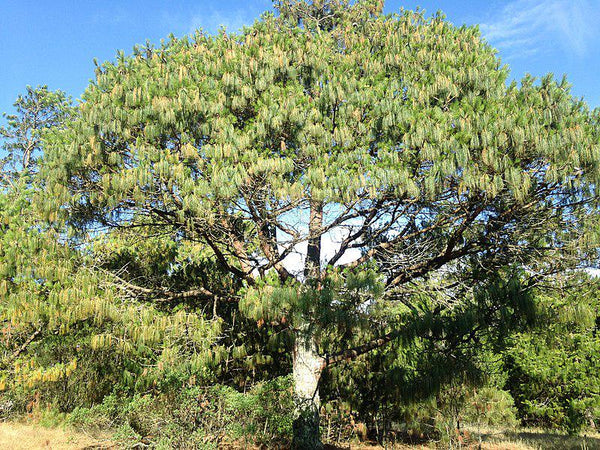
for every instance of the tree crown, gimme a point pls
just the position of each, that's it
(395, 135)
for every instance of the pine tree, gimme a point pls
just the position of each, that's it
(59, 310)
(395, 135)
(552, 370)
(38, 110)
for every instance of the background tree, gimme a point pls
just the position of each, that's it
(395, 136)
(36, 111)
(68, 339)
(553, 369)
(58, 310)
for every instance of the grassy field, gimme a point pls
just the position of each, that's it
(31, 436)
(523, 439)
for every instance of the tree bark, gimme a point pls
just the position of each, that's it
(307, 369)
(308, 364)
(312, 267)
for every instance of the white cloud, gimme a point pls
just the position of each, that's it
(526, 27)
(210, 19)
(214, 19)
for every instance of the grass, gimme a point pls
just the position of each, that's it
(535, 439)
(33, 436)
(501, 439)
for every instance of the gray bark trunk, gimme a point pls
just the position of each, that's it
(307, 371)
(308, 365)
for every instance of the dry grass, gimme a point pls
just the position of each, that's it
(500, 439)
(29, 436)
(538, 440)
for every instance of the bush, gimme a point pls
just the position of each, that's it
(197, 417)
(554, 370)
(490, 406)
(457, 405)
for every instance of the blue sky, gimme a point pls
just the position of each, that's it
(54, 42)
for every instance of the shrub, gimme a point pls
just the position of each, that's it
(197, 417)
(554, 370)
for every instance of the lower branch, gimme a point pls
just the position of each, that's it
(355, 352)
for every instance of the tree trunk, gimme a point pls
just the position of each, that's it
(308, 365)
(307, 371)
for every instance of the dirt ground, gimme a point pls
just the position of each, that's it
(30, 436)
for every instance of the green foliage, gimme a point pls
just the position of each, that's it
(44, 295)
(491, 407)
(368, 121)
(68, 338)
(554, 370)
(66, 331)
(148, 256)
(197, 417)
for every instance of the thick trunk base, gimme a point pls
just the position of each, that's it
(306, 428)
